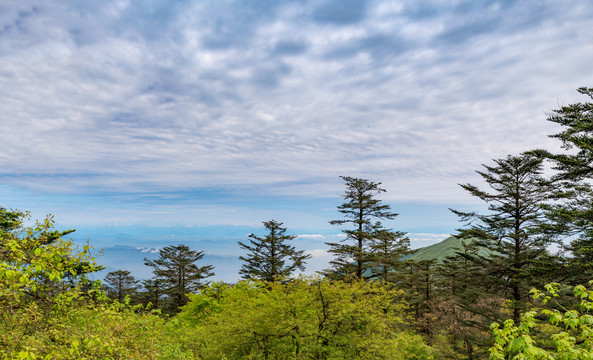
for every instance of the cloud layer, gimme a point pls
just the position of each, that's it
(279, 97)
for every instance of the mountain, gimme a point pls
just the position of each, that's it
(439, 251)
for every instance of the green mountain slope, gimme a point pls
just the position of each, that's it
(439, 251)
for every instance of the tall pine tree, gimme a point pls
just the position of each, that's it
(270, 258)
(361, 210)
(511, 231)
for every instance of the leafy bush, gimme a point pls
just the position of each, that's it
(50, 311)
(303, 319)
(568, 332)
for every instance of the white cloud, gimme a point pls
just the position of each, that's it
(427, 236)
(117, 97)
(318, 253)
(148, 249)
(422, 239)
(318, 236)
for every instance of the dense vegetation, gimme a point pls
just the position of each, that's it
(495, 290)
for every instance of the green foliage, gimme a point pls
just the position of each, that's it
(569, 332)
(270, 257)
(34, 270)
(47, 313)
(301, 319)
(102, 330)
(9, 219)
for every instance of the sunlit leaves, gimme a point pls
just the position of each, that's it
(571, 337)
(304, 318)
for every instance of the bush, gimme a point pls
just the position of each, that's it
(568, 333)
(50, 310)
(302, 319)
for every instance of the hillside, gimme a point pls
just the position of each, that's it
(438, 251)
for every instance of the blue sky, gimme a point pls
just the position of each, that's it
(134, 121)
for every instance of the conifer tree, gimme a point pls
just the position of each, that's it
(121, 283)
(387, 249)
(578, 134)
(466, 303)
(153, 292)
(417, 279)
(573, 215)
(270, 257)
(511, 232)
(362, 210)
(176, 267)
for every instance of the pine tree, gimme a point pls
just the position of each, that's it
(362, 210)
(177, 269)
(578, 120)
(121, 283)
(417, 279)
(511, 231)
(466, 303)
(270, 258)
(387, 249)
(153, 292)
(573, 215)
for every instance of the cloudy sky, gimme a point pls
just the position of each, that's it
(143, 123)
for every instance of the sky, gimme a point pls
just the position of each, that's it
(149, 123)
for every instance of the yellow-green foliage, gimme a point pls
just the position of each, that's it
(302, 319)
(569, 332)
(49, 310)
(46, 313)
